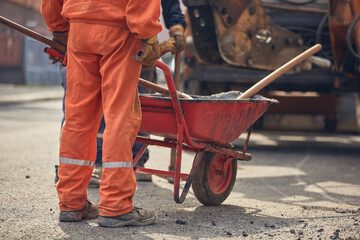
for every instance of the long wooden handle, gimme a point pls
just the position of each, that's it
(30, 33)
(280, 71)
(159, 89)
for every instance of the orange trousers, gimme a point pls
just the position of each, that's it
(101, 77)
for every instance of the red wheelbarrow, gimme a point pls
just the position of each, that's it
(206, 126)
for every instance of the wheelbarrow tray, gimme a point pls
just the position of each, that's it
(218, 118)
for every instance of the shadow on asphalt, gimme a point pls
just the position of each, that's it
(303, 170)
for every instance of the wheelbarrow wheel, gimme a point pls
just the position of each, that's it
(214, 179)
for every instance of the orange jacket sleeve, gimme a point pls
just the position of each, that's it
(142, 18)
(51, 10)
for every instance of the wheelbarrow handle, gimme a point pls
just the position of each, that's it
(182, 126)
(159, 89)
(280, 71)
(53, 52)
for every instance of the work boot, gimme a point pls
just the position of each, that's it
(171, 180)
(172, 166)
(95, 177)
(56, 174)
(90, 211)
(142, 177)
(97, 172)
(137, 217)
(94, 182)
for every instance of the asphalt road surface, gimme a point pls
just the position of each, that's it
(298, 186)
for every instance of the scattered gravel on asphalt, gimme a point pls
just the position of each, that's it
(181, 222)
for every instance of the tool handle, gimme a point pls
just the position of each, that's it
(53, 52)
(280, 71)
(159, 89)
(32, 34)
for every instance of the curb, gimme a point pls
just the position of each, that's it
(12, 95)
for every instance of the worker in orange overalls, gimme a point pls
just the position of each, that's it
(103, 59)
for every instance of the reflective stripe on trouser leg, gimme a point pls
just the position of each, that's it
(74, 176)
(76, 162)
(117, 165)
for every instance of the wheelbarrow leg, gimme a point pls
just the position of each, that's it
(140, 153)
(194, 168)
(177, 86)
(199, 154)
(247, 138)
(172, 164)
(180, 139)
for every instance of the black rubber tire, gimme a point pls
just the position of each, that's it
(201, 185)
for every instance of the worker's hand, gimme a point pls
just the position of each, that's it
(149, 53)
(62, 38)
(177, 32)
(167, 46)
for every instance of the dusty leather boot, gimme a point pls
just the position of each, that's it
(95, 176)
(90, 211)
(97, 172)
(94, 182)
(142, 177)
(137, 217)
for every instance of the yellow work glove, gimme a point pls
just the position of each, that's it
(62, 38)
(148, 54)
(177, 32)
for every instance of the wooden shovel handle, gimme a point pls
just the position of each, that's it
(159, 89)
(280, 71)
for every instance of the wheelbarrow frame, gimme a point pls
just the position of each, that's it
(184, 142)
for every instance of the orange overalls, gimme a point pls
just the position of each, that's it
(101, 77)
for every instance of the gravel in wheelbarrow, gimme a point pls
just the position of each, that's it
(218, 118)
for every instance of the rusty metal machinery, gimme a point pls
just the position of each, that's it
(248, 34)
(203, 31)
(345, 38)
(244, 40)
(244, 34)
